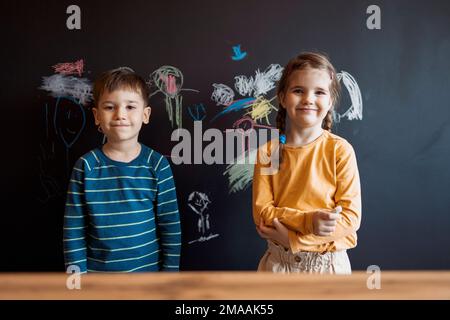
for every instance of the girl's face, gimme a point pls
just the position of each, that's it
(307, 98)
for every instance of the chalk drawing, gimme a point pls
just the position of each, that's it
(197, 112)
(238, 54)
(240, 173)
(69, 121)
(262, 83)
(261, 109)
(235, 106)
(355, 111)
(59, 85)
(169, 81)
(68, 68)
(198, 202)
(222, 94)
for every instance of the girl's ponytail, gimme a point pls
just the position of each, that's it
(281, 126)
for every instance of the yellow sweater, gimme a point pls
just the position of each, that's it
(320, 175)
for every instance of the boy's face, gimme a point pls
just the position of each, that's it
(120, 114)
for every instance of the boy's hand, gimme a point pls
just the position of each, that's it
(279, 234)
(324, 222)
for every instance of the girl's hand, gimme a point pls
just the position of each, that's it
(324, 222)
(279, 234)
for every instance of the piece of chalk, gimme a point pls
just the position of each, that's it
(338, 209)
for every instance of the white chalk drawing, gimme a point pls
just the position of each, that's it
(199, 202)
(262, 83)
(355, 111)
(222, 94)
(60, 85)
(240, 174)
(169, 81)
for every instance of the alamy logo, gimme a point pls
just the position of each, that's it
(374, 280)
(74, 280)
(233, 148)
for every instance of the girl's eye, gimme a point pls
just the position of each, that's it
(320, 92)
(108, 108)
(297, 90)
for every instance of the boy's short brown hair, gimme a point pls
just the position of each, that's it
(120, 78)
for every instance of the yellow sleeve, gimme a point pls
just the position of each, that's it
(263, 204)
(348, 196)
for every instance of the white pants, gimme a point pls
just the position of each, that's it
(279, 260)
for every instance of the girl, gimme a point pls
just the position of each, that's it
(310, 209)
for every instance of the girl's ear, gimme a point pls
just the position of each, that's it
(95, 112)
(147, 113)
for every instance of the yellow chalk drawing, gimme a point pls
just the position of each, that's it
(261, 109)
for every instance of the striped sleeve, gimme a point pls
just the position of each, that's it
(168, 218)
(75, 221)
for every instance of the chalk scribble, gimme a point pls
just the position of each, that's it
(59, 85)
(261, 109)
(222, 94)
(240, 173)
(69, 68)
(237, 105)
(355, 111)
(262, 83)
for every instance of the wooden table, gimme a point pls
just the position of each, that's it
(226, 286)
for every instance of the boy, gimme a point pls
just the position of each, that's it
(121, 208)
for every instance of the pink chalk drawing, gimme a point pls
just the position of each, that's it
(67, 68)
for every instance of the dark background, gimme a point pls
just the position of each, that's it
(402, 143)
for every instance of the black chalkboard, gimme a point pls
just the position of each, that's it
(401, 142)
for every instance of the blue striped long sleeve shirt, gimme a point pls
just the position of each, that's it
(122, 217)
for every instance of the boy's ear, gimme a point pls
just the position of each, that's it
(94, 111)
(147, 113)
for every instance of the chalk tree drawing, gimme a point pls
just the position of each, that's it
(355, 111)
(169, 81)
(199, 202)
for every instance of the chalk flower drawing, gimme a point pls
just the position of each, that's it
(169, 81)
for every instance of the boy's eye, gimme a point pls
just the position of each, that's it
(108, 107)
(131, 107)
